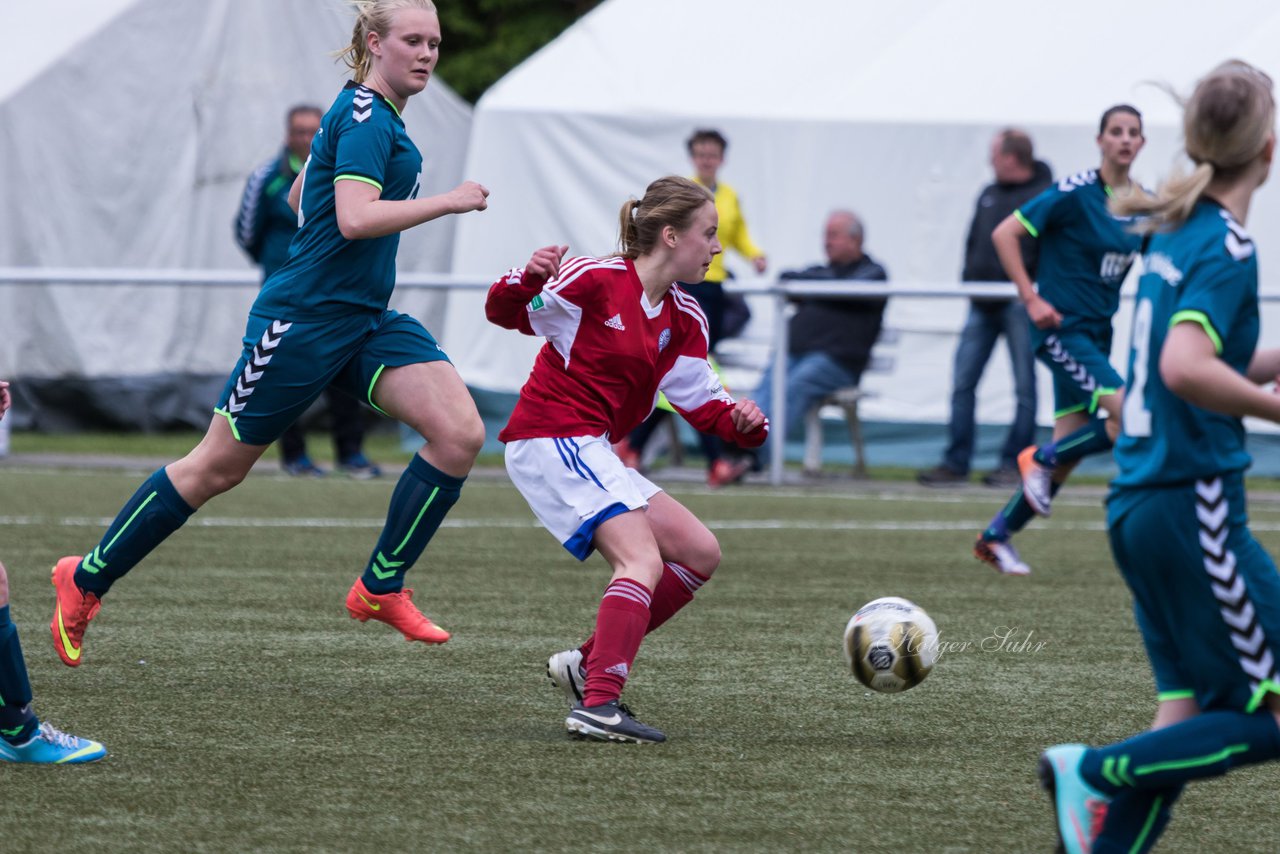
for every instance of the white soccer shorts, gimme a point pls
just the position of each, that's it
(574, 484)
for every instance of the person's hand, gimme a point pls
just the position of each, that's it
(760, 262)
(5, 400)
(747, 417)
(469, 196)
(544, 264)
(1042, 314)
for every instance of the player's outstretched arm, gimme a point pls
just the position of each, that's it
(1191, 369)
(363, 213)
(1265, 366)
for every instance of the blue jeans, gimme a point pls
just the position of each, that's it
(985, 324)
(810, 377)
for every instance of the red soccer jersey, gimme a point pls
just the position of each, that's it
(608, 354)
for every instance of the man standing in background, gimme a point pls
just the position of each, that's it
(1019, 178)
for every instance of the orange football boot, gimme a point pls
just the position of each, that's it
(396, 610)
(72, 611)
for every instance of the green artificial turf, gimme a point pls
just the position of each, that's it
(244, 711)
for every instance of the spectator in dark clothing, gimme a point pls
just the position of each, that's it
(830, 338)
(264, 227)
(1019, 178)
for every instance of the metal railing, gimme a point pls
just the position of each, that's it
(781, 293)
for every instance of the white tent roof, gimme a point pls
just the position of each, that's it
(39, 39)
(129, 129)
(935, 61)
(885, 108)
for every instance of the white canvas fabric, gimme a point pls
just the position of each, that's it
(880, 108)
(127, 138)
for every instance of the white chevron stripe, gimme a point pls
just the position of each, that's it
(260, 360)
(1213, 543)
(234, 406)
(1238, 619)
(1262, 668)
(1251, 644)
(1228, 586)
(1209, 490)
(1239, 249)
(1212, 517)
(280, 328)
(1230, 596)
(241, 391)
(251, 376)
(1221, 569)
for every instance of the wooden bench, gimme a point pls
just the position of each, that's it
(847, 399)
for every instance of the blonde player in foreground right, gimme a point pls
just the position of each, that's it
(1206, 595)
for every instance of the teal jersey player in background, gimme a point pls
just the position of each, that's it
(1206, 596)
(1085, 254)
(322, 319)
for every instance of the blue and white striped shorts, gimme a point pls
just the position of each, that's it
(574, 484)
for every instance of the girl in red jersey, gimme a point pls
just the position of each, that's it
(618, 330)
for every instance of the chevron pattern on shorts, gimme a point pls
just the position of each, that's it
(1074, 369)
(255, 365)
(1228, 586)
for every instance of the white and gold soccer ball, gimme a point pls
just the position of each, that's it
(891, 644)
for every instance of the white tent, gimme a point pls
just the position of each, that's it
(885, 108)
(127, 130)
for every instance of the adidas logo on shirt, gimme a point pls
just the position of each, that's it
(615, 322)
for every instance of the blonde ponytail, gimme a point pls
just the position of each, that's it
(1171, 204)
(1226, 124)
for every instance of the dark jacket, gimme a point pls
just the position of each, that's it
(265, 224)
(843, 328)
(995, 202)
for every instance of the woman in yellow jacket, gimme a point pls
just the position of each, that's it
(706, 150)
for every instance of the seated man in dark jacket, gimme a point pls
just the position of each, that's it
(830, 338)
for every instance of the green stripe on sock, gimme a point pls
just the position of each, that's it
(126, 525)
(1196, 762)
(1147, 825)
(1066, 446)
(430, 498)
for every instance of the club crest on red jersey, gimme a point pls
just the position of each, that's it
(664, 338)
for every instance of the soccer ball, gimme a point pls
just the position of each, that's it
(890, 644)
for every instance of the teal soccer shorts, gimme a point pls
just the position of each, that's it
(1079, 357)
(287, 365)
(1206, 595)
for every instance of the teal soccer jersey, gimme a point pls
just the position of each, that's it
(1205, 272)
(1085, 252)
(361, 138)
